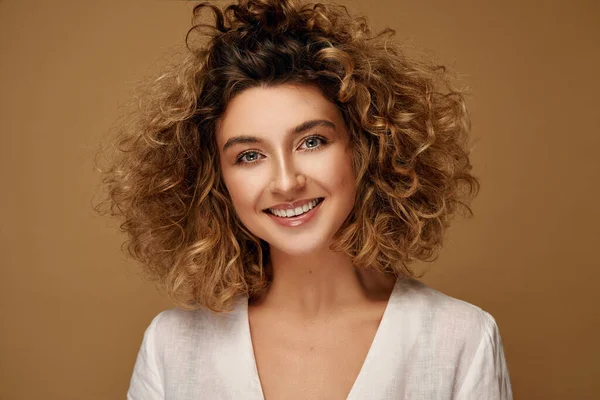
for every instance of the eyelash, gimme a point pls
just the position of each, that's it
(323, 140)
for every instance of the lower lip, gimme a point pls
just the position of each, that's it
(296, 221)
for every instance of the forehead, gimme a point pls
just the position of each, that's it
(273, 110)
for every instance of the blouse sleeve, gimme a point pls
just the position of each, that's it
(487, 376)
(146, 382)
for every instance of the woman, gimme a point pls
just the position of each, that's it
(278, 182)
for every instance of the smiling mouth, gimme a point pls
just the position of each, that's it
(296, 212)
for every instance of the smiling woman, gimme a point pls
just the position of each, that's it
(278, 182)
(301, 157)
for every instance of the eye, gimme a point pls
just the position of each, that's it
(314, 142)
(248, 157)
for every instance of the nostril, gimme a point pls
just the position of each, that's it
(287, 183)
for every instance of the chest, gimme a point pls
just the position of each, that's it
(307, 362)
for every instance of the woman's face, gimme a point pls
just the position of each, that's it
(284, 151)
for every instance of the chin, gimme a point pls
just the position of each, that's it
(299, 247)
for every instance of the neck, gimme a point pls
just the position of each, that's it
(320, 283)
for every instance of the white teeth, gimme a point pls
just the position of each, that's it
(294, 212)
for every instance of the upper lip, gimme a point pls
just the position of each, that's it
(291, 206)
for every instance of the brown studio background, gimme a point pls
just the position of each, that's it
(73, 307)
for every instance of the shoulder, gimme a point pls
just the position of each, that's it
(452, 339)
(177, 343)
(447, 315)
(188, 326)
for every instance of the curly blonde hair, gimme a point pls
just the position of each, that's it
(408, 130)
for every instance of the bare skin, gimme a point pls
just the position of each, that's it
(313, 328)
(316, 353)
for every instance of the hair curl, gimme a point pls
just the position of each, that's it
(408, 130)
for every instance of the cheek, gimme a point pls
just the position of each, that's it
(243, 189)
(336, 171)
(344, 169)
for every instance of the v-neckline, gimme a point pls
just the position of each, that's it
(367, 362)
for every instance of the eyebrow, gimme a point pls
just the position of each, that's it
(303, 127)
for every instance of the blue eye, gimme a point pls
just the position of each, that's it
(248, 157)
(311, 143)
(314, 142)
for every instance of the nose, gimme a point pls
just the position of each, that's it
(287, 180)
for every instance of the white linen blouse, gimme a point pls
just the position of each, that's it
(428, 346)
